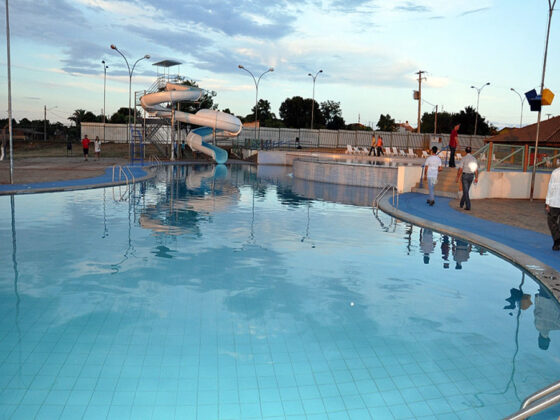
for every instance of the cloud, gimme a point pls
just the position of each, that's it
(411, 7)
(470, 12)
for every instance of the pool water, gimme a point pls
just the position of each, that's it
(214, 293)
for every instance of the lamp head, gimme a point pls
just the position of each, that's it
(103, 61)
(240, 66)
(147, 56)
(113, 47)
(309, 74)
(271, 69)
(320, 71)
(512, 89)
(487, 83)
(472, 87)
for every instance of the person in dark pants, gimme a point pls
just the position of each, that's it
(372, 147)
(453, 143)
(552, 207)
(380, 146)
(468, 172)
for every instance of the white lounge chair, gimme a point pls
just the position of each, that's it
(394, 151)
(388, 151)
(425, 154)
(458, 156)
(357, 150)
(402, 153)
(349, 150)
(365, 150)
(411, 153)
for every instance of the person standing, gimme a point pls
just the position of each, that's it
(85, 146)
(453, 143)
(380, 146)
(552, 207)
(468, 171)
(373, 144)
(432, 167)
(97, 147)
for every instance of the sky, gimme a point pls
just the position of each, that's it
(369, 51)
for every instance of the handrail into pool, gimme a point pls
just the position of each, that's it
(529, 409)
(382, 193)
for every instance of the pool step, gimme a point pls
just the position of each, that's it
(446, 185)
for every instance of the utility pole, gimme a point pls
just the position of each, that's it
(420, 78)
(435, 121)
(45, 125)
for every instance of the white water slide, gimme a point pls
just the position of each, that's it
(211, 122)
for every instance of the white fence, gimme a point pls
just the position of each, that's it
(285, 137)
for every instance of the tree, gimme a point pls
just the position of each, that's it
(466, 117)
(296, 113)
(333, 115)
(78, 116)
(121, 116)
(386, 123)
(264, 115)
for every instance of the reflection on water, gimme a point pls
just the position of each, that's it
(233, 265)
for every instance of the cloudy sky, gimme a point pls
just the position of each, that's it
(369, 51)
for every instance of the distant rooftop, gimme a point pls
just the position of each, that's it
(167, 63)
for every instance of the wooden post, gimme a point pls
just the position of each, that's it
(525, 157)
(489, 160)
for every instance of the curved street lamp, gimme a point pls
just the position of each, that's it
(130, 71)
(105, 67)
(257, 81)
(313, 101)
(522, 99)
(478, 90)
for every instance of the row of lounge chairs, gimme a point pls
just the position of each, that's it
(389, 151)
(394, 152)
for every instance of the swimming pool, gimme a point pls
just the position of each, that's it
(237, 294)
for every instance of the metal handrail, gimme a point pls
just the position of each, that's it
(382, 193)
(531, 405)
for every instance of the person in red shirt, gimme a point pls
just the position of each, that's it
(380, 146)
(453, 143)
(85, 146)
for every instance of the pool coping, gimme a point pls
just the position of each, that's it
(545, 274)
(79, 184)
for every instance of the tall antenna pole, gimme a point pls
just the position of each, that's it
(420, 78)
(533, 173)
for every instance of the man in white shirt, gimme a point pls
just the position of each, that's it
(468, 171)
(432, 167)
(552, 206)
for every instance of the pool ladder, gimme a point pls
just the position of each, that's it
(382, 193)
(120, 175)
(537, 402)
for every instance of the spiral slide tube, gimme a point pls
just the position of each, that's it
(209, 120)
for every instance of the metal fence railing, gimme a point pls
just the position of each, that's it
(286, 137)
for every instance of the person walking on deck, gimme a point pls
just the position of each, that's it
(552, 207)
(432, 167)
(468, 172)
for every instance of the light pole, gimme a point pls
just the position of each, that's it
(45, 123)
(313, 101)
(105, 67)
(522, 99)
(10, 128)
(478, 90)
(130, 71)
(257, 81)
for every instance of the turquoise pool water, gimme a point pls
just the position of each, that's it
(240, 294)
